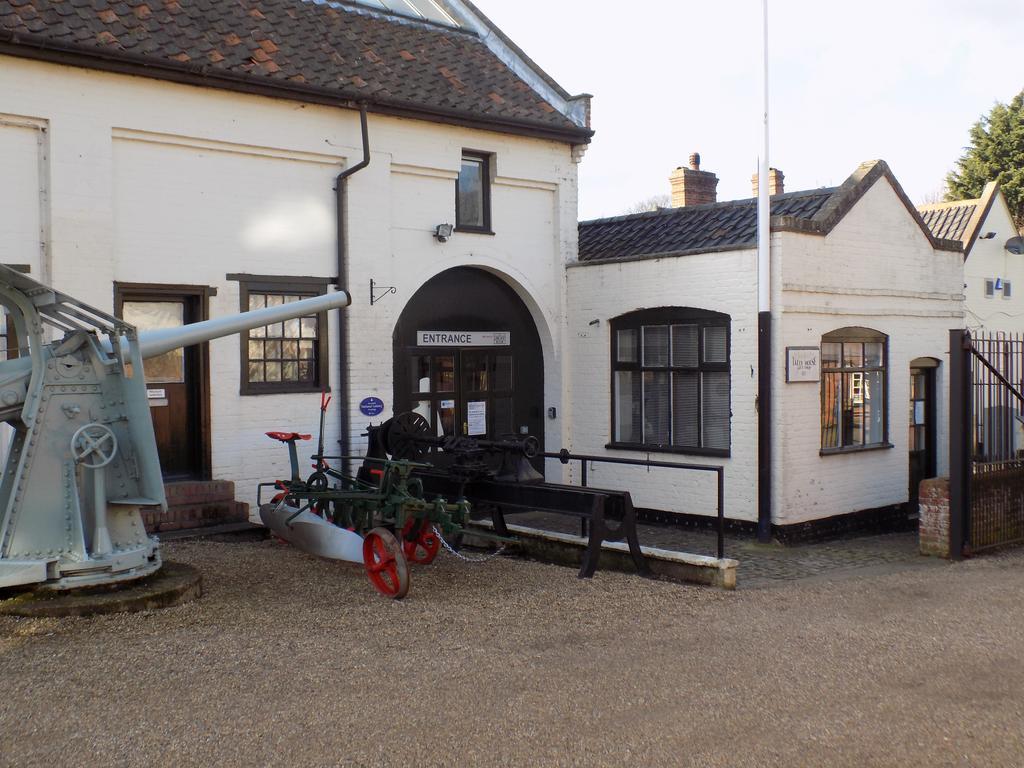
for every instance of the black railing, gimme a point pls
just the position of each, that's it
(986, 452)
(565, 457)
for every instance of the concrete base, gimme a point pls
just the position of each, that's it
(173, 584)
(665, 565)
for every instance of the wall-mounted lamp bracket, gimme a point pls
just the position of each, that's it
(442, 232)
(378, 292)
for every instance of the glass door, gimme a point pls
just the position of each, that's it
(922, 428)
(465, 392)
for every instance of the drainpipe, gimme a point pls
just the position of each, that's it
(343, 283)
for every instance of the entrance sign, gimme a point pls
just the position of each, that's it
(371, 406)
(803, 364)
(463, 338)
(476, 417)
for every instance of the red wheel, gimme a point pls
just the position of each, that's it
(385, 563)
(423, 548)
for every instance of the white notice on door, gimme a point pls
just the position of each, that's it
(476, 417)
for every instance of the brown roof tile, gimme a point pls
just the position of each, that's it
(338, 51)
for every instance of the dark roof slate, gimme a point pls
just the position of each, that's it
(334, 49)
(732, 225)
(716, 226)
(949, 222)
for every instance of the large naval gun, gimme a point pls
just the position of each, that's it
(82, 457)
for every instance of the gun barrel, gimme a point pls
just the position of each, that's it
(153, 343)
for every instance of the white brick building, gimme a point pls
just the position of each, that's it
(176, 161)
(855, 274)
(179, 161)
(993, 257)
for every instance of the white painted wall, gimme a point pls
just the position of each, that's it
(23, 190)
(990, 259)
(876, 269)
(146, 181)
(722, 282)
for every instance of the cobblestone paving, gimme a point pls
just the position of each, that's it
(766, 565)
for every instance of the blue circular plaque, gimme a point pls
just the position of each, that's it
(371, 406)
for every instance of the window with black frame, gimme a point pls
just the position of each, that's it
(671, 381)
(289, 356)
(473, 194)
(853, 390)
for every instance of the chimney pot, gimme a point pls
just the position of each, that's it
(692, 186)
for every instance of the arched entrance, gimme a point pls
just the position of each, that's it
(468, 357)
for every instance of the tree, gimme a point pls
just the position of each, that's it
(651, 204)
(996, 153)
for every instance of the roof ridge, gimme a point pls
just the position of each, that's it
(947, 204)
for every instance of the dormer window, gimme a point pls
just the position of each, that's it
(473, 194)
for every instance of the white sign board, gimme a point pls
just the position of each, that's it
(803, 364)
(476, 417)
(463, 338)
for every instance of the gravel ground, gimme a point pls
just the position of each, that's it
(288, 660)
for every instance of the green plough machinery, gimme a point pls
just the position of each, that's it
(380, 518)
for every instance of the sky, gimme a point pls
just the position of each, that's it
(899, 80)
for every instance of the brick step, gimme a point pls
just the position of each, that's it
(196, 504)
(182, 516)
(199, 491)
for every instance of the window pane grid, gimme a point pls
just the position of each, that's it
(672, 384)
(852, 394)
(286, 352)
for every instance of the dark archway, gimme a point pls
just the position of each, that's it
(467, 356)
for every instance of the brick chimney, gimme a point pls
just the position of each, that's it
(692, 186)
(775, 182)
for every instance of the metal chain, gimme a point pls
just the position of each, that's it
(467, 558)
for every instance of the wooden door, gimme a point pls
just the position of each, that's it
(172, 380)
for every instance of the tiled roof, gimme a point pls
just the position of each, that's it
(332, 50)
(949, 221)
(716, 226)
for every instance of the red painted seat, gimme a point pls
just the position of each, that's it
(285, 437)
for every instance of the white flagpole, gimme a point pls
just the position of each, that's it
(764, 318)
(764, 299)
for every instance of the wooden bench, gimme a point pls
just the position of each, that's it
(600, 508)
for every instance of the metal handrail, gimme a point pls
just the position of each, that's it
(565, 457)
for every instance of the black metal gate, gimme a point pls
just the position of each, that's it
(986, 449)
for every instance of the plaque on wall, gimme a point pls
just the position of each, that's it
(803, 364)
